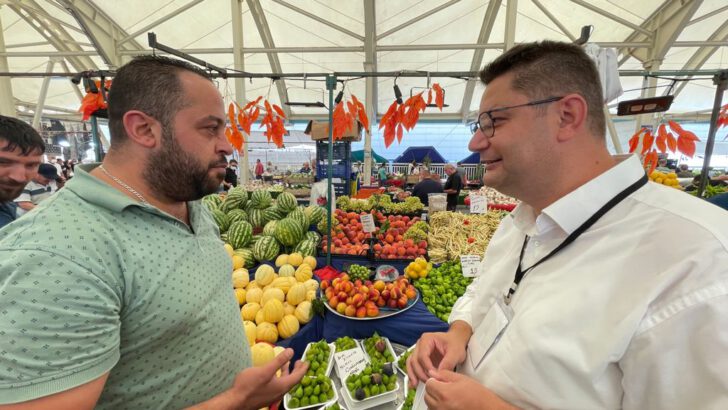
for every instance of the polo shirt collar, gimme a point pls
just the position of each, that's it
(573, 209)
(98, 192)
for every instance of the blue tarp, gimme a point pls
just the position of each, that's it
(419, 154)
(473, 158)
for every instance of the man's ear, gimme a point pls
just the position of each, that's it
(142, 129)
(573, 111)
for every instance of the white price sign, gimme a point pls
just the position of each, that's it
(424, 217)
(478, 204)
(350, 361)
(367, 223)
(470, 265)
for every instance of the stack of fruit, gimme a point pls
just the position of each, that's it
(375, 379)
(418, 269)
(358, 272)
(442, 287)
(344, 343)
(363, 299)
(665, 178)
(275, 305)
(402, 360)
(262, 353)
(318, 356)
(310, 391)
(378, 349)
(411, 205)
(278, 225)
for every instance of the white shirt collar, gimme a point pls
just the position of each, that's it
(573, 209)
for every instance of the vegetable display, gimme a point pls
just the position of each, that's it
(453, 234)
(442, 287)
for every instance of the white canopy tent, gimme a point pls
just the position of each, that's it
(315, 36)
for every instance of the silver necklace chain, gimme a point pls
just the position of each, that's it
(127, 187)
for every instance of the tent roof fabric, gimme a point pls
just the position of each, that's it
(419, 154)
(328, 36)
(358, 156)
(473, 158)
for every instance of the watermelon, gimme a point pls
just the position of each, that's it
(237, 215)
(238, 192)
(286, 202)
(248, 207)
(223, 237)
(270, 228)
(256, 218)
(261, 199)
(266, 248)
(306, 248)
(288, 231)
(312, 236)
(273, 213)
(315, 213)
(212, 201)
(247, 254)
(239, 234)
(301, 217)
(221, 220)
(255, 239)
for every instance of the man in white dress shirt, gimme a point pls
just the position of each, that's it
(602, 313)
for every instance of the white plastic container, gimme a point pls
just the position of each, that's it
(388, 347)
(288, 397)
(379, 399)
(396, 360)
(330, 362)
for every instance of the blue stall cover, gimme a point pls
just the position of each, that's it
(418, 154)
(473, 158)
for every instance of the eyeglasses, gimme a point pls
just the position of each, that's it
(486, 122)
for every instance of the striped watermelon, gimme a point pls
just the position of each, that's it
(221, 220)
(239, 234)
(248, 207)
(301, 217)
(237, 215)
(255, 239)
(247, 254)
(212, 201)
(315, 213)
(266, 248)
(238, 192)
(288, 231)
(306, 248)
(270, 228)
(286, 202)
(223, 237)
(312, 236)
(273, 213)
(256, 218)
(261, 199)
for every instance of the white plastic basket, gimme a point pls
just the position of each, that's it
(330, 362)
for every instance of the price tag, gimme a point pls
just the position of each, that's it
(349, 362)
(478, 204)
(470, 265)
(367, 223)
(424, 217)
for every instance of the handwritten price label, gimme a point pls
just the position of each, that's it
(470, 265)
(367, 223)
(350, 361)
(478, 204)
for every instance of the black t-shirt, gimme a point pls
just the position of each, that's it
(231, 177)
(425, 187)
(453, 182)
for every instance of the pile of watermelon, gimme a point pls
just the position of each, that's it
(260, 228)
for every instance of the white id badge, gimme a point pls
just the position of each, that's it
(488, 332)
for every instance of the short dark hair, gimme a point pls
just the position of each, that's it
(21, 135)
(552, 69)
(231, 161)
(149, 84)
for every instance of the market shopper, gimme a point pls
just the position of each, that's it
(453, 186)
(21, 152)
(259, 169)
(425, 187)
(576, 305)
(117, 293)
(231, 175)
(40, 188)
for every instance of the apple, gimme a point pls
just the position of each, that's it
(379, 285)
(342, 295)
(361, 312)
(341, 307)
(411, 293)
(392, 303)
(402, 301)
(385, 294)
(333, 302)
(325, 284)
(357, 300)
(372, 311)
(381, 302)
(350, 301)
(373, 294)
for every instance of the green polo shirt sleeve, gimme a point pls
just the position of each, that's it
(59, 324)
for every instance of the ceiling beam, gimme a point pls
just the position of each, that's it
(320, 20)
(611, 16)
(372, 89)
(707, 15)
(554, 20)
(103, 32)
(491, 12)
(45, 14)
(159, 21)
(701, 56)
(511, 16)
(256, 11)
(54, 33)
(416, 19)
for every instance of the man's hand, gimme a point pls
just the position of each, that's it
(257, 387)
(449, 390)
(438, 351)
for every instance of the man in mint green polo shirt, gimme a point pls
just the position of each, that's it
(117, 293)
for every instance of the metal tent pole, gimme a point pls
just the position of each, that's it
(330, 86)
(721, 81)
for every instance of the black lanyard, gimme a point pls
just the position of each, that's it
(571, 238)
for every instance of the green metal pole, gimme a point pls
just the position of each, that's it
(330, 86)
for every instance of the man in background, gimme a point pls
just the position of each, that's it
(453, 186)
(42, 186)
(231, 175)
(426, 186)
(21, 152)
(259, 170)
